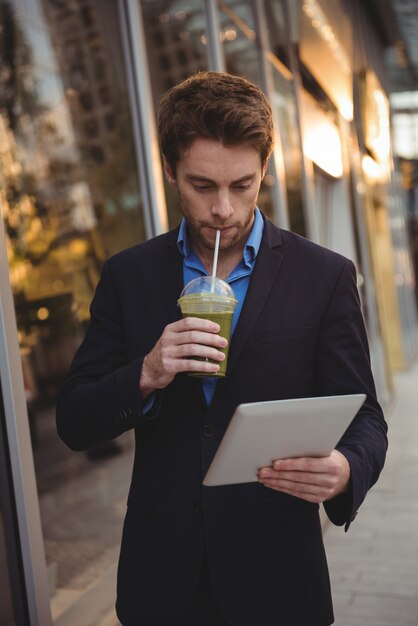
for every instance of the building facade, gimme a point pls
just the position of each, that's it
(81, 178)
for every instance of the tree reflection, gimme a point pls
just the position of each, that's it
(68, 173)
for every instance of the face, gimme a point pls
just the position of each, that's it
(218, 187)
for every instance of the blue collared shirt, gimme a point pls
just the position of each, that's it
(239, 278)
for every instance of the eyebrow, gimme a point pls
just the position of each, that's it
(198, 178)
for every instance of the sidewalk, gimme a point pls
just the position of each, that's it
(374, 567)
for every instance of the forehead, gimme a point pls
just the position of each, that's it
(207, 157)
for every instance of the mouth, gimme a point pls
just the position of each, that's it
(223, 229)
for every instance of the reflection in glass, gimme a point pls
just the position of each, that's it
(70, 198)
(242, 59)
(286, 112)
(238, 37)
(176, 48)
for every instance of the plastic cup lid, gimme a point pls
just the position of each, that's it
(208, 286)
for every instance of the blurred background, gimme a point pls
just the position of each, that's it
(81, 178)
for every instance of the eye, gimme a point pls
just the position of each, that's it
(201, 187)
(241, 187)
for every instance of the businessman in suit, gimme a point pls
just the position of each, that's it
(239, 555)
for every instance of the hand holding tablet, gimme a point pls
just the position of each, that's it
(260, 433)
(312, 479)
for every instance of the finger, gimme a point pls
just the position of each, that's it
(298, 489)
(323, 491)
(196, 350)
(199, 337)
(192, 365)
(309, 478)
(326, 481)
(321, 471)
(314, 499)
(194, 323)
(305, 488)
(303, 464)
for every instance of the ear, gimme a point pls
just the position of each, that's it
(169, 172)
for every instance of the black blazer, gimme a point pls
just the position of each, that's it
(300, 334)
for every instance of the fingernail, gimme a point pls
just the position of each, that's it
(277, 464)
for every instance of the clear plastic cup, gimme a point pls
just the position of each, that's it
(210, 298)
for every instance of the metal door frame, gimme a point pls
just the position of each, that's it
(21, 456)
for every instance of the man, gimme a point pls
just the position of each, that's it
(239, 555)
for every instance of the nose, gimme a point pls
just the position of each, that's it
(222, 207)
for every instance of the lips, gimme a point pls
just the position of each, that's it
(223, 229)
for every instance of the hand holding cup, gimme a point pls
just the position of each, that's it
(178, 349)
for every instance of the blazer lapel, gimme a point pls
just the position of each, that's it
(266, 269)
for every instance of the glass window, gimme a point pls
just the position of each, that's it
(87, 16)
(279, 28)
(94, 42)
(99, 70)
(182, 58)
(104, 95)
(164, 62)
(91, 128)
(70, 198)
(239, 39)
(283, 100)
(85, 99)
(159, 39)
(242, 59)
(110, 122)
(176, 48)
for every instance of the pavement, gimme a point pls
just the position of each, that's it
(374, 567)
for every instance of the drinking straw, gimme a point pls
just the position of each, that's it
(215, 259)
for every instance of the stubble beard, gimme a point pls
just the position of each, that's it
(196, 232)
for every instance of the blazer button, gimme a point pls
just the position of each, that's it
(198, 507)
(208, 430)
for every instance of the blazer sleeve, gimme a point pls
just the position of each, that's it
(100, 398)
(343, 366)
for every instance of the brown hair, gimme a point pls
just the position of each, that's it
(214, 105)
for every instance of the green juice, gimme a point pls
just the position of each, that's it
(224, 319)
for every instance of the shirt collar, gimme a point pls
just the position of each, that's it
(251, 247)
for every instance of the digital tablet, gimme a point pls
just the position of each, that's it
(261, 432)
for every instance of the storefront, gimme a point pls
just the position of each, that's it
(355, 202)
(81, 178)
